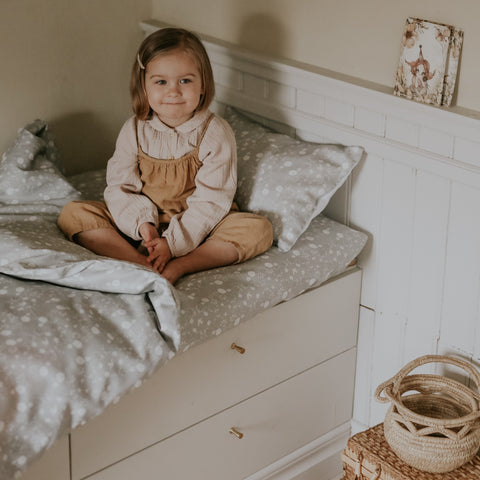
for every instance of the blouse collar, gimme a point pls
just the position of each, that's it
(195, 122)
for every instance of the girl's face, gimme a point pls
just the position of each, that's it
(173, 85)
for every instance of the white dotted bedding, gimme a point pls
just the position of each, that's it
(77, 331)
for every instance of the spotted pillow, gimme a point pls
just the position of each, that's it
(285, 179)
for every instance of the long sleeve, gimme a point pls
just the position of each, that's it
(212, 199)
(129, 208)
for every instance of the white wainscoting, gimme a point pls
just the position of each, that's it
(416, 193)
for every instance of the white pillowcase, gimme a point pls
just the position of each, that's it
(30, 175)
(289, 181)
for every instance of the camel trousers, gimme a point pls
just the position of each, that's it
(250, 234)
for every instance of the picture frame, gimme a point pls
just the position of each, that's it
(428, 63)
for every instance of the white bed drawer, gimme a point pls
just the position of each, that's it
(211, 377)
(273, 423)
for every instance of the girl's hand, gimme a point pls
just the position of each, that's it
(148, 231)
(159, 252)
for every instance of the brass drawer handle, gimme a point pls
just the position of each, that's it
(235, 432)
(238, 348)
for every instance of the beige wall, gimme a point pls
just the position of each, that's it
(68, 62)
(360, 38)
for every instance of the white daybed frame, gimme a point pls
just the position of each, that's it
(270, 399)
(280, 409)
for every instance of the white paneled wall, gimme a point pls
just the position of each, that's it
(416, 193)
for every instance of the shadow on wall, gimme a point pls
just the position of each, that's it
(84, 142)
(263, 33)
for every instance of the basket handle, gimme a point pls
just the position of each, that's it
(396, 380)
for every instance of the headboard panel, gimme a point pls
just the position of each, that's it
(416, 194)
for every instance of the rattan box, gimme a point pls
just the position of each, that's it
(369, 457)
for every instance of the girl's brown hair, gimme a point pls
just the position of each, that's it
(164, 41)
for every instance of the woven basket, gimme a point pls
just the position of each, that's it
(436, 426)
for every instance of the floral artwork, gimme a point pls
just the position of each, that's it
(428, 64)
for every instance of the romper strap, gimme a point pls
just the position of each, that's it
(205, 128)
(136, 132)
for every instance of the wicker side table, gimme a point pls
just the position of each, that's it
(369, 457)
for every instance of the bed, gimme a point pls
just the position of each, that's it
(109, 372)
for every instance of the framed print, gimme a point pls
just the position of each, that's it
(428, 64)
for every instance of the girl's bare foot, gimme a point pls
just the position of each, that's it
(211, 254)
(172, 272)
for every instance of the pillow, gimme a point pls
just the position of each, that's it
(30, 172)
(289, 181)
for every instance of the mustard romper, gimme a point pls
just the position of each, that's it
(168, 183)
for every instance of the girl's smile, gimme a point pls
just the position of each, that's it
(173, 86)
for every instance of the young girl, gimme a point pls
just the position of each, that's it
(172, 177)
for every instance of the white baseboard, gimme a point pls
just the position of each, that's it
(321, 457)
(357, 426)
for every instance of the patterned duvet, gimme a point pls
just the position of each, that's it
(77, 331)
